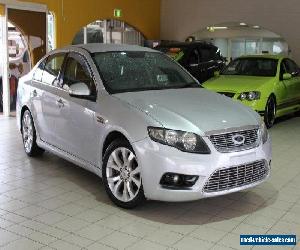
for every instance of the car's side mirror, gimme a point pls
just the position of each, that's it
(286, 76)
(80, 90)
(217, 73)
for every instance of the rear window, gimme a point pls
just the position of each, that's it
(176, 53)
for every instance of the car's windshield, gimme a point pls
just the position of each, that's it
(252, 67)
(129, 71)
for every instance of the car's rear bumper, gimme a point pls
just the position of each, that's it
(157, 159)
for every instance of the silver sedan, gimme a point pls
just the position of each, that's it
(137, 119)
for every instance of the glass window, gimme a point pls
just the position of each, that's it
(52, 68)
(252, 67)
(140, 71)
(291, 67)
(194, 57)
(206, 54)
(75, 72)
(39, 71)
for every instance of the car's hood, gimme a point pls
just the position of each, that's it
(236, 84)
(192, 109)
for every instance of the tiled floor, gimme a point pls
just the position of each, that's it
(48, 203)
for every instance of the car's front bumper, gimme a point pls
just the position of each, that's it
(157, 159)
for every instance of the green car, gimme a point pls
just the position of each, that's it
(269, 84)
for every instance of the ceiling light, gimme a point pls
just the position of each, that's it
(243, 24)
(212, 28)
(256, 27)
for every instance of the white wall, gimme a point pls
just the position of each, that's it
(179, 18)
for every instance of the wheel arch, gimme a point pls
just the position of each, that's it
(113, 135)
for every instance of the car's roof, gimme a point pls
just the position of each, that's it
(104, 47)
(267, 56)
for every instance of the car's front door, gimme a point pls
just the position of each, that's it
(76, 126)
(292, 84)
(207, 63)
(43, 96)
(193, 63)
(294, 70)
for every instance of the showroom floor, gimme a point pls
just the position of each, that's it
(48, 203)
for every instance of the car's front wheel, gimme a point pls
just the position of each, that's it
(121, 175)
(29, 135)
(270, 112)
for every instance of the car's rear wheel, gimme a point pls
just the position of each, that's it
(270, 112)
(121, 175)
(29, 135)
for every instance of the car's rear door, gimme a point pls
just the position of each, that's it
(43, 96)
(76, 126)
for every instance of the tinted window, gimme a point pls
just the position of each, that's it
(291, 67)
(52, 68)
(39, 71)
(194, 57)
(76, 71)
(140, 71)
(206, 54)
(252, 67)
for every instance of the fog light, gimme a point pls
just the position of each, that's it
(175, 178)
(178, 181)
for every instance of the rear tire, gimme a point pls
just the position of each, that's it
(29, 135)
(121, 175)
(270, 112)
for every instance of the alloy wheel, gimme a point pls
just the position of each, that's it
(123, 174)
(27, 131)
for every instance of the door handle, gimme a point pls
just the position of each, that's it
(60, 103)
(34, 93)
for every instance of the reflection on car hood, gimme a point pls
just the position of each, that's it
(192, 109)
(236, 84)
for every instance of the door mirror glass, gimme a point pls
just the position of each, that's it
(286, 76)
(79, 89)
(217, 73)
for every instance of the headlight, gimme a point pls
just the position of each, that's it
(184, 141)
(250, 96)
(264, 133)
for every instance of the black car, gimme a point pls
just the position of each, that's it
(201, 59)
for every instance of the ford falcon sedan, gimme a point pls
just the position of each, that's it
(136, 118)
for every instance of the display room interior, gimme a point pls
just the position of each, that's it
(154, 124)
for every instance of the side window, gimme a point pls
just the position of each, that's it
(76, 71)
(205, 54)
(293, 68)
(52, 68)
(194, 58)
(39, 71)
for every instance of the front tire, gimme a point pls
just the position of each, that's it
(270, 112)
(122, 175)
(29, 135)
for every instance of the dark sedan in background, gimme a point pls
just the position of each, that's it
(200, 58)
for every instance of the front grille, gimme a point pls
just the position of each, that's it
(225, 142)
(238, 176)
(228, 94)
